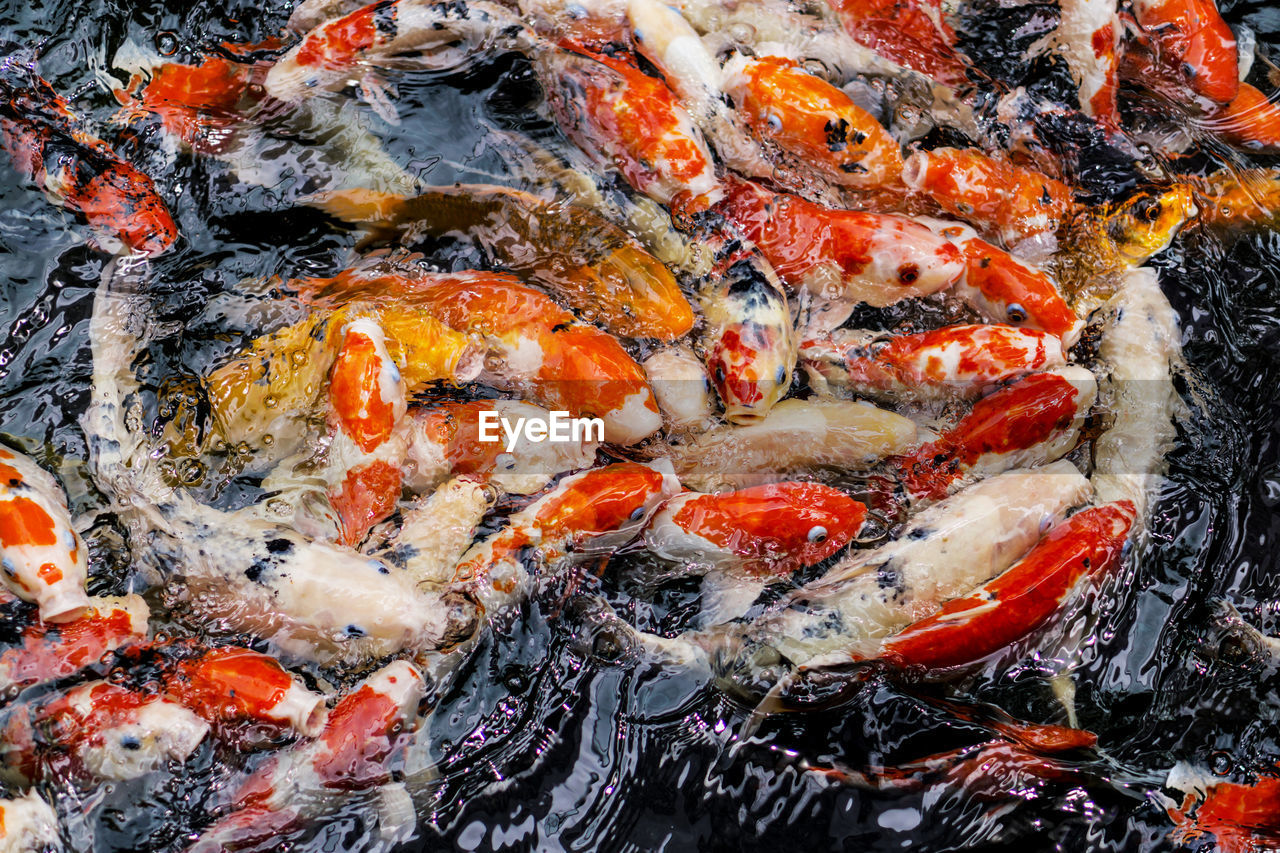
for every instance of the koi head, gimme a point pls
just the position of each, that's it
(1146, 223)
(194, 100)
(778, 527)
(362, 729)
(614, 499)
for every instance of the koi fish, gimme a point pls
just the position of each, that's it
(357, 749)
(198, 104)
(389, 33)
(42, 558)
(308, 598)
(1035, 420)
(1088, 38)
(109, 731)
(748, 339)
(28, 823)
(681, 388)
(1251, 121)
(1240, 816)
(965, 630)
(956, 361)
(590, 264)
(812, 120)
(1190, 40)
(1139, 348)
(78, 171)
(447, 441)
(796, 435)
(1006, 202)
(231, 684)
(913, 34)
(741, 540)
(1231, 201)
(943, 553)
(534, 344)
(624, 118)
(842, 256)
(49, 651)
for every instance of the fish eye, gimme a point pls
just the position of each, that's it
(637, 513)
(781, 375)
(908, 273)
(1148, 209)
(506, 461)
(719, 373)
(774, 121)
(817, 534)
(1016, 313)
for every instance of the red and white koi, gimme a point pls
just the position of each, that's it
(1006, 290)
(624, 118)
(1024, 597)
(956, 361)
(357, 750)
(107, 730)
(28, 823)
(1006, 202)
(842, 257)
(1088, 38)
(48, 651)
(910, 33)
(77, 170)
(42, 558)
(1035, 420)
(1241, 817)
(455, 439)
(944, 552)
(231, 684)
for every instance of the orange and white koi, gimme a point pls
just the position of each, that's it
(748, 338)
(77, 170)
(1088, 38)
(48, 651)
(1004, 289)
(382, 34)
(447, 440)
(28, 823)
(1024, 597)
(535, 346)
(42, 558)
(956, 361)
(842, 257)
(230, 684)
(198, 104)
(1006, 202)
(1035, 420)
(809, 118)
(796, 435)
(107, 730)
(357, 750)
(1241, 816)
(593, 266)
(1189, 40)
(944, 552)
(624, 118)
(594, 510)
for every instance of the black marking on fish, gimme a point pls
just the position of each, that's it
(255, 571)
(918, 533)
(852, 168)
(279, 545)
(837, 131)
(354, 631)
(384, 20)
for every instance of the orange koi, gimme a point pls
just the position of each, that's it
(357, 749)
(1025, 596)
(806, 116)
(592, 265)
(1033, 421)
(42, 558)
(624, 118)
(909, 33)
(199, 104)
(1006, 202)
(77, 170)
(1242, 818)
(107, 730)
(231, 684)
(842, 256)
(774, 528)
(48, 651)
(1251, 120)
(1189, 40)
(960, 361)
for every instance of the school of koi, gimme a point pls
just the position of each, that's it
(727, 199)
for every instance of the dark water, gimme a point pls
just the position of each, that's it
(556, 736)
